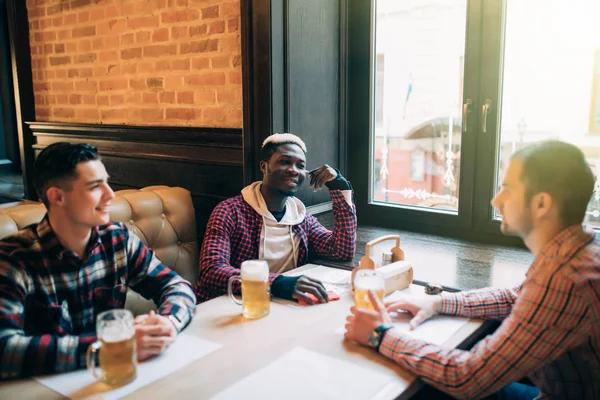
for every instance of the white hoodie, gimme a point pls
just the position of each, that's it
(279, 246)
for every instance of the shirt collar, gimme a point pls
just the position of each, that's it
(50, 243)
(563, 245)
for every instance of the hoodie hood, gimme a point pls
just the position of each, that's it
(295, 211)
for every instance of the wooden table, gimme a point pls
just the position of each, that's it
(251, 345)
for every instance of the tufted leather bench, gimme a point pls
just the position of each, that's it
(163, 217)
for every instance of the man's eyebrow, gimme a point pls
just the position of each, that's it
(97, 180)
(292, 156)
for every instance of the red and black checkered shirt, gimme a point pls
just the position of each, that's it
(50, 298)
(550, 330)
(233, 236)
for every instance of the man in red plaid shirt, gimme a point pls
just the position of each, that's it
(267, 222)
(58, 275)
(550, 327)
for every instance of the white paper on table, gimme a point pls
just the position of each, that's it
(81, 384)
(334, 279)
(302, 374)
(436, 330)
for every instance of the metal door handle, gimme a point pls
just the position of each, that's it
(466, 111)
(484, 112)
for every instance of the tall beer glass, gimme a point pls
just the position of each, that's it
(115, 347)
(365, 280)
(256, 296)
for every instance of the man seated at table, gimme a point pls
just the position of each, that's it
(551, 322)
(267, 222)
(58, 275)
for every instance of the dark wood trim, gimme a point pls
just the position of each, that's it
(212, 146)
(18, 33)
(343, 105)
(256, 81)
(189, 136)
(9, 137)
(278, 63)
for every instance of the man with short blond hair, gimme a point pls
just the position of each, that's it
(268, 222)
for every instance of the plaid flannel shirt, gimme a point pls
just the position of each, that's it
(233, 236)
(550, 330)
(49, 298)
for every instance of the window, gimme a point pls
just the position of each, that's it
(466, 84)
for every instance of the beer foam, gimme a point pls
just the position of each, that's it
(117, 333)
(368, 282)
(255, 270)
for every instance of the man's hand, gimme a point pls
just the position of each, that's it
(153, 334)
(320, 176)
(362, 322)
(422, 308)
(309, 285)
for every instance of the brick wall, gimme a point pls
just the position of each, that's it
(137, 62)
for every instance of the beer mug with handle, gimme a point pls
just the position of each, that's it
(365, 280)
(256, 296)
(115, 347)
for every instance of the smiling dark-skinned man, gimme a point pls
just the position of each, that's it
(267, 222)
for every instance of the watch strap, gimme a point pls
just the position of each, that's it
(381, 330)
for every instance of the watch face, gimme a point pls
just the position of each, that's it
(374, 339)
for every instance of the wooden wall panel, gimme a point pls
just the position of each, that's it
(207, 162)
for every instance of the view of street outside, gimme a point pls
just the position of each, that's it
(550, 90)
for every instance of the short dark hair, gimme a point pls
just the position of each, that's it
(559, 169)
(58, 162)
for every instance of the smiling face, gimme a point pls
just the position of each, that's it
(512, 204)
(85, 200)
(285, 171)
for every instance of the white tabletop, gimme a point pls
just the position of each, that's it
(249, 346)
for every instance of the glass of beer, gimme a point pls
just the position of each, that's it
(115, 347)
(365, 280)
(256, 295)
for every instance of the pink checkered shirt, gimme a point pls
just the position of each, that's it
(550, 330)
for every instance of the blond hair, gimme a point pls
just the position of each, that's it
(284, 138)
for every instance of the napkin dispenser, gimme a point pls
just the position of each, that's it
(398, 274)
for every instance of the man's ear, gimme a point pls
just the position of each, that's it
(55, 195)
(542, 203)
(263, 166)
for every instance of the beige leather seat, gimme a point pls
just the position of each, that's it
(163, 217)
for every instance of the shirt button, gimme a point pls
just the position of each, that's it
(163, 216)
(131, 222)
(179, 243)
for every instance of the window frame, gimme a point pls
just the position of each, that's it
(482, 74)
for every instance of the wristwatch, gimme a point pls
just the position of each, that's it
(376, 337)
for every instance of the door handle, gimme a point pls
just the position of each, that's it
(484, 112)
(466, 111)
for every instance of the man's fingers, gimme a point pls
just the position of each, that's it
(300, 295)
(396, 306)
(154, 330)
(419, 318)
(140, 319)
(376, 302)
(320, 287)
(155, 341)
(379, 307)
(309, 288)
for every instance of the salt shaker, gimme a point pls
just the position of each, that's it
(386, 258)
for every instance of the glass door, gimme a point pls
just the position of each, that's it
(418, 96)
(546, 57)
